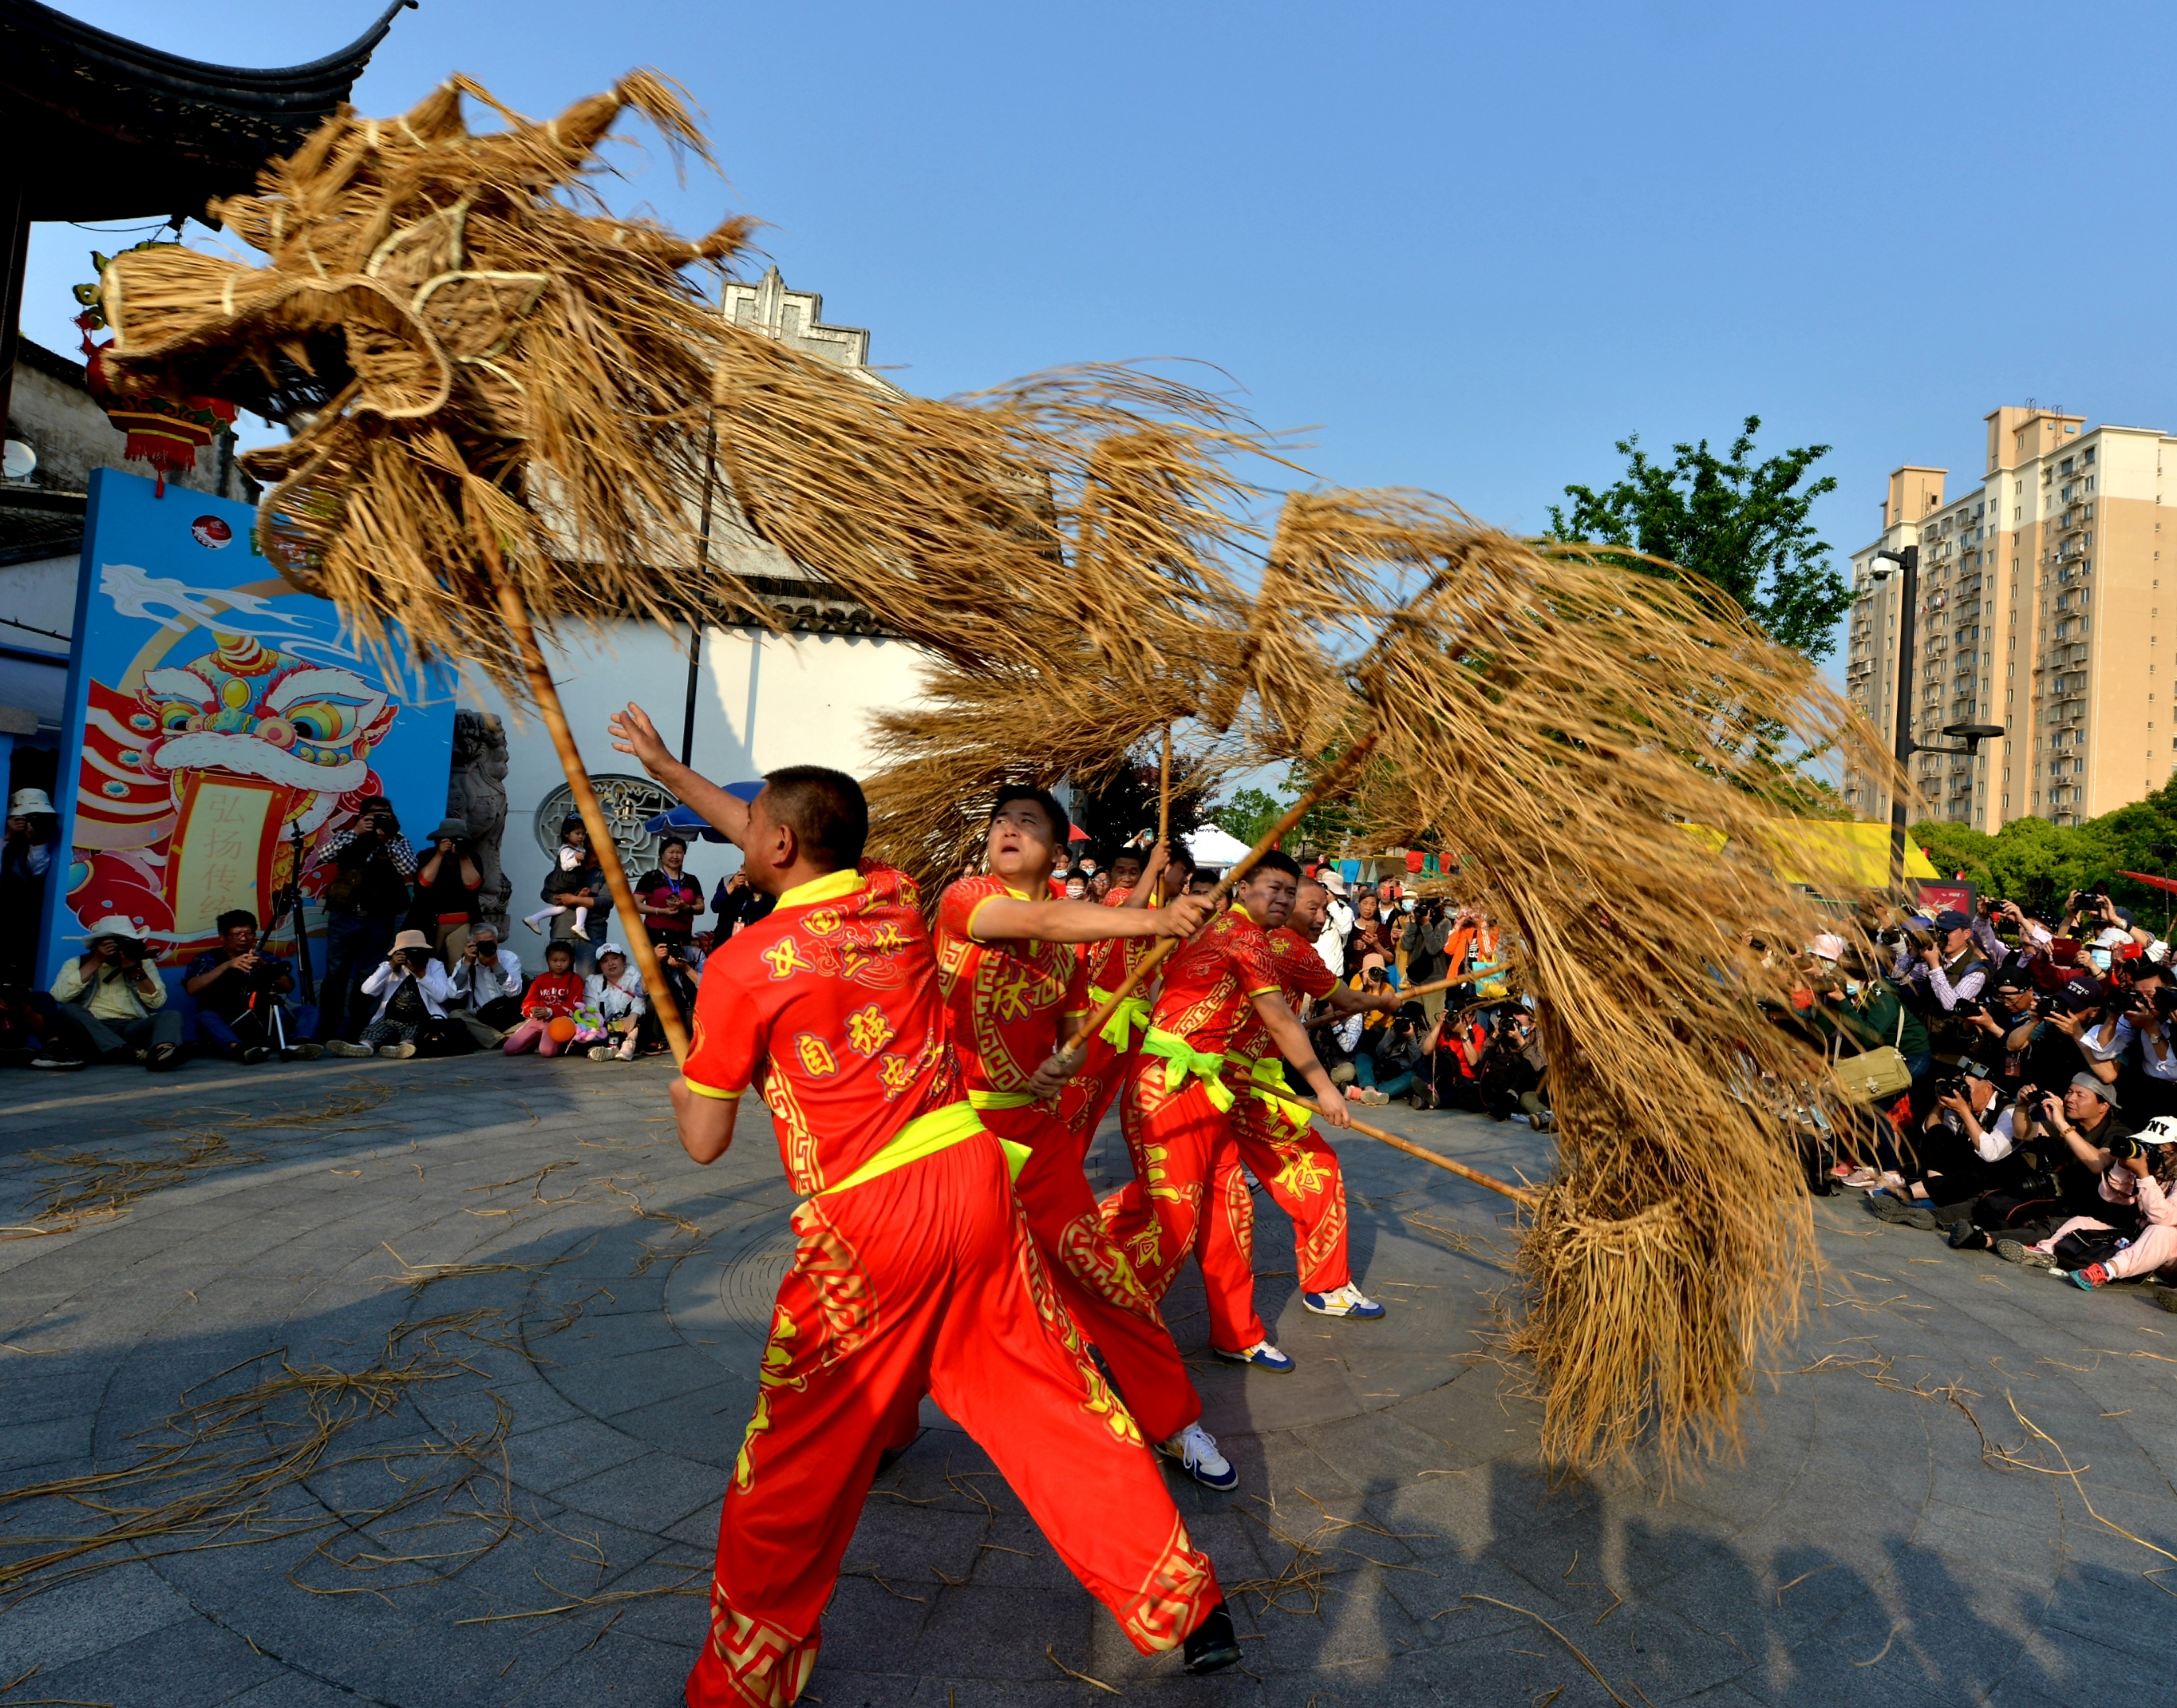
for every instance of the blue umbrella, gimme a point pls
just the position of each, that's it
(683, 819)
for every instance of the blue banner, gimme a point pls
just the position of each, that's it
(218, 724)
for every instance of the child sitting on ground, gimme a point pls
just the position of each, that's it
(557, 994)
(572, 856)
(617, 998)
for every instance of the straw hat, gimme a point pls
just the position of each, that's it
(411, 940)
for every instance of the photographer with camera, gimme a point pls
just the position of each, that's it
(1387, 1069)
(238, 988)
(2148, 1084)
(113, 1004)
(2068, 1145)
(1965, 1148)
(1424, 940)
(364, 903)
(2013, 1037)
(447, 884)
(486, 984)
(411, 990)
(1941, 967)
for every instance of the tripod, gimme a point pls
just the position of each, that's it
(289, 898)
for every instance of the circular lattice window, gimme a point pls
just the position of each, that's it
(627, 802)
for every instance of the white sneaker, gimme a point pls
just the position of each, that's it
(1349, 1301)
(534, 926)
(581, 931)
(396, 1052)
(1196, 1450)
(341, 1046)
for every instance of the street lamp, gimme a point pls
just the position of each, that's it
(1908, 560)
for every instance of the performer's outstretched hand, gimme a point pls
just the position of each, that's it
(1332, 1107)
(633, 732)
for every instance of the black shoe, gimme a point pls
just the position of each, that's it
(1966, 1237)
(1211, 1645)
(59, 1064)
(2166, 1298)
(254, 1054)
(164, 1058)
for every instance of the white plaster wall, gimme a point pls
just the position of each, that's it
(763, 702)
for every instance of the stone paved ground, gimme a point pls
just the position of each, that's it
(1874, 1544)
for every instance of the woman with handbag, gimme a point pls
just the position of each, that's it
(1889, 1055)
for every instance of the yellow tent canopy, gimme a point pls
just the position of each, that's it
(1821, 853)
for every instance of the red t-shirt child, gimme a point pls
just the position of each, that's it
(552, 993)
(829, 1004)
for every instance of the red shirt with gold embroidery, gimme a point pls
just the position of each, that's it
(1111, 960)
(1301, 975)
(1209, 984)
(1006, 997)
(830, 1002)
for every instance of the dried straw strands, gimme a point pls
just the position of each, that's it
(467, 348)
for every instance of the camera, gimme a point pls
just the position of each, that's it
(1913, 934)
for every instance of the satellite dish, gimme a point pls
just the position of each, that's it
(21, 460)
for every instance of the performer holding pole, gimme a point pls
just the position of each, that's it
(1175, 1100)
(914, 1266)
(1136, 882)
(1010, 972)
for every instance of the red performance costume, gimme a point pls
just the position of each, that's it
(914, 1271)
(1006, 999)
(1276, 1141)
(1173, 1117)
(1104, 1058)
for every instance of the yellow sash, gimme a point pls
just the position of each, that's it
(1001, 1099)
(1270, 1071)
(1118, 1031)
(1181, 1058)
(926, 1135)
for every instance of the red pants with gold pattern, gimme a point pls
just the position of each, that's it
(928, 1277)
(1117, 1314)
(1181, 1200)
(1300, 1170)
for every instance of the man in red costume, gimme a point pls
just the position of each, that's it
(1104, 1058)
(914, 1269)
(1013, 976)
(1275, 1139)
(1174, 1112)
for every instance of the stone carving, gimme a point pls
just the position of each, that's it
(476, 792)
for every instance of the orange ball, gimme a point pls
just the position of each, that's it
(561, 1030)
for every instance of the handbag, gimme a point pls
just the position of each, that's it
(1875, 1074)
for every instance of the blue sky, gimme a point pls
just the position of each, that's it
(1469, 246)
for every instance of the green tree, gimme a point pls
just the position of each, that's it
(2038, 863)
(1247, 814)
(1127, 800)
(1741, 525)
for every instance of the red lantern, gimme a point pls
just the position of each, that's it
(166, 429)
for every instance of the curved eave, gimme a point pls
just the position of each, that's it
(118, 129)
(310, 90)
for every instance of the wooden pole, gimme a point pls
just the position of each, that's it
(547, 697)
(1413, 991)
(1410, 1148)
(1270, 838)
(1164, 811)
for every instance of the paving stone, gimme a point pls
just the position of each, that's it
(1860, 1516)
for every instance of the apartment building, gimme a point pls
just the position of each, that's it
(2039, 609)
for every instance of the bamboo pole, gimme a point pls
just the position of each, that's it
(547, 697)
(1407, 1145)
(1270, 838)
(1413, 991)
(1164, 811)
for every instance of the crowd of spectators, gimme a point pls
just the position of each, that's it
(2013, 1084)
(412, 967)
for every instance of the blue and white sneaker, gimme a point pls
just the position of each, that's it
(1349, 1301)
(1262, 1356)
(1196, 1450)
